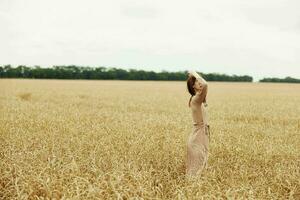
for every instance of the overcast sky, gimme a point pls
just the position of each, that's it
(260, 38)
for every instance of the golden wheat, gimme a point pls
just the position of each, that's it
(65, 139)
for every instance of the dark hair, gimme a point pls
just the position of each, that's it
(190, 83)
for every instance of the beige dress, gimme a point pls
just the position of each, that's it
(197, 144)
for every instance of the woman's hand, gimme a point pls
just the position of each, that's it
(191, 73)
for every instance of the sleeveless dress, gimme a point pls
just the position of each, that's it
(197, 144)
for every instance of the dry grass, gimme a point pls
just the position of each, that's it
(119, 139)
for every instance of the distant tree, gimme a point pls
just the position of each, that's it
(283, 80)
(1, 72)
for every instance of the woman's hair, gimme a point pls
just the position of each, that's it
(190, 83)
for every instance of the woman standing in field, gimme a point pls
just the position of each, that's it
(197, 145)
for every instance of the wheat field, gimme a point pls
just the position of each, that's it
(81, 139)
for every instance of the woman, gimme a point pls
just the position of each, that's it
(197, 145)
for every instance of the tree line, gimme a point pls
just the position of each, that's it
(103, 73)
(281, 80)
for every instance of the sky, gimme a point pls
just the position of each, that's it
(256, 38)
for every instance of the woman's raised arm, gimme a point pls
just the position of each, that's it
(200, 94)
(198, 77)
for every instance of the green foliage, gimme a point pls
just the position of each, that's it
(281, 80)
(103, 73)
